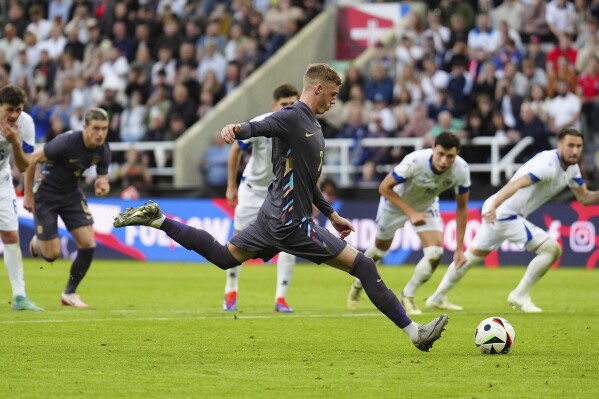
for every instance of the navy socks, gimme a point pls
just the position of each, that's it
(382, 297)
(79, 268)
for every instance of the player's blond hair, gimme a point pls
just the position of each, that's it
(321, 73)
(96, 114)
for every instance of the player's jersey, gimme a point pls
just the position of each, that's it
(297, 155)
(549, 179)
(258, 171)
(420, 186)
(68, 158)
(27, 134)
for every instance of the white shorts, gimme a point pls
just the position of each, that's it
(389, 219)
(9, 219)
(249, 201)
(514, 228)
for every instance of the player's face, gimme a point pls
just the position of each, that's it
(327, 97)
(11, 112)
(95, 133)
(570, 149)
(283, 102)
(443, 158)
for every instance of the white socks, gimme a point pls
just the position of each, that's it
(158, 222)
(453, 276)
(411, 331)
(547, 254)
(424, 269)
(232, 283)
(13, 261)
(285, 266)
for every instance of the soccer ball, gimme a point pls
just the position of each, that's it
(494, 335)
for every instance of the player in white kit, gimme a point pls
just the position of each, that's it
(504, 217)
(17, 138)
(248, 199)
(410, 193)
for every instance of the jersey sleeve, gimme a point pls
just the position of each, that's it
(404, 170)
(102, 167)
(27, 131)
(576, 180)
(539, 171)
(463, 181)
(56, 147)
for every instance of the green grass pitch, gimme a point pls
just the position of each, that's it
(156, 330)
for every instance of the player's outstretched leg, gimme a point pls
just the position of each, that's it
(197, 240)
(422, 336)
(231, 288)
(285, 266)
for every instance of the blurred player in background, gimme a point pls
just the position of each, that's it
(410, 192)
(17, 137)
(285, 220)
(57, 193)
(253, 188)
(504, 217)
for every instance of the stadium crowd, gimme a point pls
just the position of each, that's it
(511, 68)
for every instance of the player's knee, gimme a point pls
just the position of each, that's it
(433, 254)
(552, 248)
(87, 253)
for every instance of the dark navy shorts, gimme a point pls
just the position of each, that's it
(306, 240)
(73, 211)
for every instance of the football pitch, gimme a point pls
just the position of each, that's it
(156, 330)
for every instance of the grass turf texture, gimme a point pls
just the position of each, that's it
(156, 331)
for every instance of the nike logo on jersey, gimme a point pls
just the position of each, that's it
(310, 134)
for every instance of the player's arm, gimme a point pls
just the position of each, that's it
(386, 190)
(461, 220)
(585, 196)
(506, 192)
(11, 134)
(232, 168)
(341, 224)
(102, 183)
(38, 156)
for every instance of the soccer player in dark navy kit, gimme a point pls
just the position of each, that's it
(284, 222)
(57, 193)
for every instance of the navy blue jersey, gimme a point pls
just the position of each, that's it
(68, 158)
(297, 156)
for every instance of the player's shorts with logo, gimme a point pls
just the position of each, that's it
(249, 200)
(389, 219)
(73, 211)
(514, 228)
(9, 220)
(306, 240)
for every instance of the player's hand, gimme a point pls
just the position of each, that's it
(459, 259)
(9, 131)
(341, 224)
(418, 218)
(228, 133)
(102, 187)
(490, 216)
(231, 195)
(29, 203)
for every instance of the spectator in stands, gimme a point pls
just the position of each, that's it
(207, 102)
(111, 86)
(589, 50)
(16, 17)
(212, 84)
(213, 60)
(55, 43)
(232, 78)
(560, 16)
(134, 118)
(80, 23)
(212, 35)
(432, 79)
(165, 63)
(536, 22)
(74, 45)
(183, 105)
(278, 16)
(514, 79)
(459, 31)
(588, 92)
(156, 125)
(94, 40)
(236, 39)
(508, 33)
(486, 81)
(459, 86)
(566, 72)
(32, 47)
(539, 102)
(135, 175)
(381, 55)
(57, 126)
(355, 129)
(562, 49)
(509, 100)
(379, 84)
(445, 123)
(171, 36)
(39, 25)
(11, 44)
(45, 72)
(353, 77)
(508, 52)
(436, 31)
(213, 166)
(533, 76)
(463, 9)
(564, 108)
(484, 35)
(510, 11)
(41, 113)
(419, 123)
(530, 125)
(113, 62)
(68, 69)
(122, 41)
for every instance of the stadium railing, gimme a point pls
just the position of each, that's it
(338, 162)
